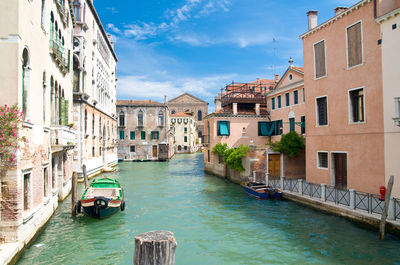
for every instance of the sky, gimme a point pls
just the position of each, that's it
(169, 47)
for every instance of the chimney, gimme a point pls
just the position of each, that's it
(257, 109)
(258, 79)
(165, 100)
(312, 19)
(276, 78)
(234, 108)
(339, 10)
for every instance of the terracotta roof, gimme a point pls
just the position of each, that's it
(138, 102)
(264, 81)
(180, 114)
(298, 68)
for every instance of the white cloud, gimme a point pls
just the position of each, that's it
(112, 9)
(113, 28)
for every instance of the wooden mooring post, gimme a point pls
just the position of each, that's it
(155, 248)
(385, 209)
(74, 192)
(85, 178)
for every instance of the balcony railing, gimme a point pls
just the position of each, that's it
(62, 138)
(243, 97)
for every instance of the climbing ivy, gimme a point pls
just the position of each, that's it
(219, 149)
(233, 157)
(290, 144)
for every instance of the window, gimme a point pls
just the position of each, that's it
(303, 124)
(143, 135)
(25, 83)
(270, 128)
(208, 133)
(323, 159)
(322, 111)
(292, 124)
(185, 148)
(185, 139)
(356, 105)
(93, 124)
(132, 149)
(42, 18)
(154, 135)
(185, 130)
(208, 156)
(27, 191)
(132, 135)
(397, 107)
(273, 103)
(290, 77)
(354, 45)
(295, 97)
(99, 151)
(121, 119)
(77, 7)
(173, 111)
(287, 99)
(121, 135)
(45, 181)
(93, 151)
(140, 118)
(161, 118)
(304, 95)
(85, 121)
(319, 59)
(279, 102)
(223, 128)
(199, 115)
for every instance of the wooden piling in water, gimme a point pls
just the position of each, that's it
(385, 209)
(74, 192)
(155, 248)
(85, 177)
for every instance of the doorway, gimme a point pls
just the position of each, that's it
(339, 170)
(155, 153)
(274, 165)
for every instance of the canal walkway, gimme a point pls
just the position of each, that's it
(214, 222)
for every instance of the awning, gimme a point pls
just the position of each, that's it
(223, 128)
(271, 128)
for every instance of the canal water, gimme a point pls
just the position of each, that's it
(214, 222)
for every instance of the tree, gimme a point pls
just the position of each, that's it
(290, 144)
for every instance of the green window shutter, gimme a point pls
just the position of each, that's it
(295, 97)
(273, 103)
(63, 111)
(262, 129)
(158, 135)
(224, 128)
(143, 135)
(121, 135)
(271, 128)
(303, 124)
(133, 136)
(291, 124)
(218, 129)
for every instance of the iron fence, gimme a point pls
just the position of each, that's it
(275, 183)
(396, 209)
(330, 194)
(342, 197)
(315, 190)
(306, 188)
(376, 204)
(362, 201)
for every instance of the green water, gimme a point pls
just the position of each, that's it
(214, 222)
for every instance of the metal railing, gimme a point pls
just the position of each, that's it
(356, 200)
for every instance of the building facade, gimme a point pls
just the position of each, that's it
(191, 104)
(143, 130)
(389, 20)
(94, 87)
(286, 105)
(345, 124)
(237, 122)
(36, 74)
(185, 133)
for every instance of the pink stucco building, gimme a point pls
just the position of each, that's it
(344, 99)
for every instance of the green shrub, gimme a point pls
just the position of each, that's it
(290, 144)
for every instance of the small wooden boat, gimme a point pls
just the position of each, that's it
(102, 198)
(261, 191)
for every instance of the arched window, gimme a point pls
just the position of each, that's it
(44, 97)
(173, 111)
(140, 118)
(77, 7)
(121, 119)
(161, 118)
(85, 120)
(199, 115)
(26, 72)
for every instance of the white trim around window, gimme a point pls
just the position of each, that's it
(327, 160)
(362, 46)
(316, 111)
(326, 68)
(349, 107)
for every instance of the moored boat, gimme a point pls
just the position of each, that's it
(102, 198)
(261, 191)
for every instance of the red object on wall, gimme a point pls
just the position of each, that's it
(382, 191)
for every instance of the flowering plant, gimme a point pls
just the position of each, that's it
(10, 120)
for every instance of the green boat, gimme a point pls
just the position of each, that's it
(102, 198)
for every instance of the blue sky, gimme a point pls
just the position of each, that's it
(198, 46)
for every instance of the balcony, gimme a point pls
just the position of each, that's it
(62, 138)
(60, 55)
